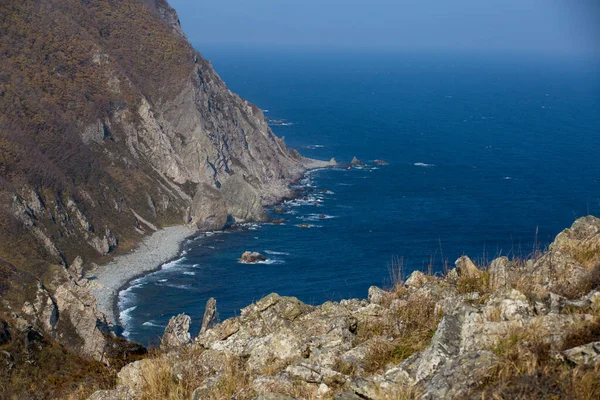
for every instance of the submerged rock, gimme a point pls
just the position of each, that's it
(250, 257)
(381, 162)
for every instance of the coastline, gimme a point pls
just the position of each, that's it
(153, 252)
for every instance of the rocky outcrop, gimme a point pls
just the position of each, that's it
(356, 162)
(252, 257)
(430, 338)
(159, 140)
(177, 333)
(210, 315)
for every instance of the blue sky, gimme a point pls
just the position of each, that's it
(496, 25)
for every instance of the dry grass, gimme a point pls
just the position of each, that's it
(474, 284)
(528, 370)
(233, 384)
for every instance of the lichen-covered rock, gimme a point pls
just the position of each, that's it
(416, 279)
(210, 314)
(121, 392)
(466, 268)
(177, 333)
(587, 355)
(378, 296)
(456, 379)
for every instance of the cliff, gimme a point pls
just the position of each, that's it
(513, 329)
(111, 127)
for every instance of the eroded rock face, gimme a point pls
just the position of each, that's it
(177, 333)
(209, 211)
(210, 314)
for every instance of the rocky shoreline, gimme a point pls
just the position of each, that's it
(161, 247)
(109, 280)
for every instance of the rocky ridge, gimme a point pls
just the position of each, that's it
(111, 127)
(514, 329)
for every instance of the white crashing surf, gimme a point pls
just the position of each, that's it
(420, 164)
(153, 324)
(277, 253)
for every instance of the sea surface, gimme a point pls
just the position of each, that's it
(488, 155)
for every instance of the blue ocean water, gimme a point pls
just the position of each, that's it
(488, 155)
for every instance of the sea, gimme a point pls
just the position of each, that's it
(488, 155)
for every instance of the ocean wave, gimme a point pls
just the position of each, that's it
(153, 324)
(162, 280)
(196, 266)
(277, 253)
(309, 226)
(174, 263)
(267, 262)
(125, 318)
(316, 217)
(420, 164)
(190, 273)
(313, 146)
(507, 178)
(175, 286)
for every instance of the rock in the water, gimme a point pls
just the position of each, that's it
(380, 162)
(356, 162)
(466, 268)
(177, 333)
(210, 312)
(251, 257)
(587, 355)
(332, 162)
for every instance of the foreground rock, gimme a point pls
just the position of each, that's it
(252, 257)
(177, 333)
(429, 338)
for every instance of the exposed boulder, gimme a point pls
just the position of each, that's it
(177, 333)
(380, 162)
(250, 257)
(466, 268)
(121, 392)
(333, 162)
(416, 279)
(587, 355)
(210, 313)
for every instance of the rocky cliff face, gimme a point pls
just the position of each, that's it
(513, 329)
(111, 126)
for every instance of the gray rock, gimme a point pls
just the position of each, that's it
(209, 211)
(210, 313)
(378, 296)
(120, 393)
(177, 333)
(456, 379)
(466, 268)
(416, 279)
(586, 355)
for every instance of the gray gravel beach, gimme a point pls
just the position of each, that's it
(153, 251)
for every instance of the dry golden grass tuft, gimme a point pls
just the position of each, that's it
(527, 369)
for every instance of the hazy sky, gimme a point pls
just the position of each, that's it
(542, 25)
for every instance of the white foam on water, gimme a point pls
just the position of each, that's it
(420, 164)
(163, 280)
(190, 273)
(507, 178)
(277, 253)
(153, 324)
(267, 262)
(125, 317)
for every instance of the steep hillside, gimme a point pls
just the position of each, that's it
(112, 126)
